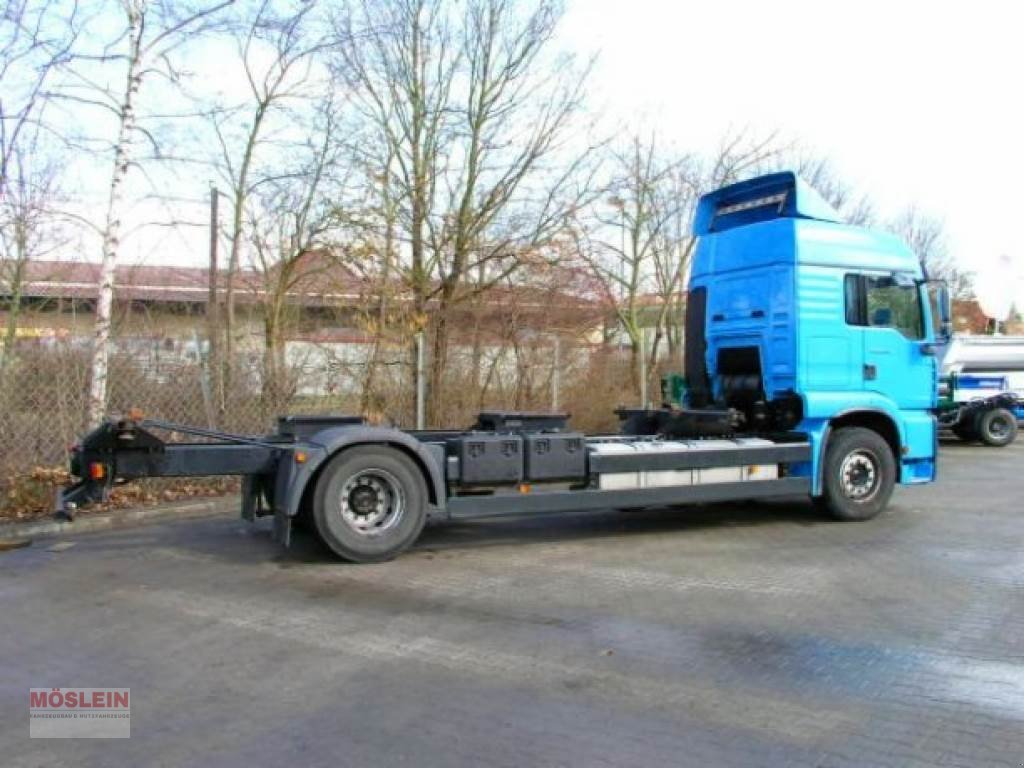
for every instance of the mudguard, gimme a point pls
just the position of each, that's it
(293, 478)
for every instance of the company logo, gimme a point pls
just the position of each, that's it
(79, 713)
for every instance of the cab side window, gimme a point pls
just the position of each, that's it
(894, 306)
(882, 302)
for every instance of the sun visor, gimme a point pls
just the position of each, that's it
(775, 196)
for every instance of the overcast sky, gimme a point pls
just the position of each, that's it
(915, 102)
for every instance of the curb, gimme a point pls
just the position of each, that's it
(122, 518)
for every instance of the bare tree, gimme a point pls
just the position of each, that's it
(632, 240)
(29, 228)
(401, 72)
(150, 32)
(374, 259)
(671, 259)
(927, 239)
(277, 50)
(289, 222)
(37, 39)
(640, 246)
(740, 153)
(476, 118)
(820, 173)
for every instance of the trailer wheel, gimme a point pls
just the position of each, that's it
(370, 504)
(997, 427)
(859, 474)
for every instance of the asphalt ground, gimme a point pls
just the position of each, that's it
(746, 635)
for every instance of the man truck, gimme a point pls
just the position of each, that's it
(810, 370)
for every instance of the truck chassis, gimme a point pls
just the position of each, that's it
(367, 490)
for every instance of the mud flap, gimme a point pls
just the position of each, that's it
(250, 498)
(282, 528)
(257, 490)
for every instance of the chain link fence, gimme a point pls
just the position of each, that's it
(167, 374)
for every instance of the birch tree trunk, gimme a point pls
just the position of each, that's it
(97, 401)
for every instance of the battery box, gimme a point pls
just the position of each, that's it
(489, 459)
(554, 456)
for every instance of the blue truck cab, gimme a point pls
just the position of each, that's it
(803, 322)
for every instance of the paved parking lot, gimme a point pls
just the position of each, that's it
(722, 635)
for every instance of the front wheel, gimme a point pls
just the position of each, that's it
(859, 474)
(370, 504)
(997, 427)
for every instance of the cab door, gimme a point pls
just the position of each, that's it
(898, 361)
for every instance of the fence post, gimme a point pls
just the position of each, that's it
(555, 375)
(204, 379)
(420, 384)
(643, 368)
(214, 372)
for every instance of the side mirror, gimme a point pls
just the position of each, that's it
(943, 306)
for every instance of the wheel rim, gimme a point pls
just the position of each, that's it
(860, 475)
(999, 427)
(372, 502)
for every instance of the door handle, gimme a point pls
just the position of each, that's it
(870, 371)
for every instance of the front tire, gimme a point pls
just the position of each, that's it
(859, 474)
(370, 504)
(997, 427)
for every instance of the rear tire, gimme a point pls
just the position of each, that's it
(997, 427)
(859, 474)
(370, 504)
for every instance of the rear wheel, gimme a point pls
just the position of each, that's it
(370, 504)
(859, 474)
(997, 427)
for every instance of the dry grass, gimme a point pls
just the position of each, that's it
(30, 495)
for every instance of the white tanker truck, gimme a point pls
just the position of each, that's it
(981, 388)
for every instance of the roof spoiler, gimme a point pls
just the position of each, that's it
(781, 195)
